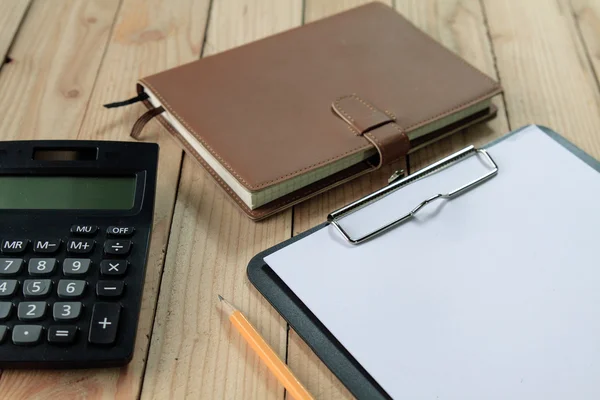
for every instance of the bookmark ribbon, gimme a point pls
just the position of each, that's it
(140, 97)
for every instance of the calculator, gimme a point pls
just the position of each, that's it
(75, 224)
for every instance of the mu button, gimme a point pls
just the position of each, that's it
(84, 230)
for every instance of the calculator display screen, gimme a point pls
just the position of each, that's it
(67, 192)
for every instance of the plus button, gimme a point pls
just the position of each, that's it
(104, 323)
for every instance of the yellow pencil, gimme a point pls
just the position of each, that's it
(265, 352)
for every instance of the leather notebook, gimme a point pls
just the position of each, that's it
(284, 118)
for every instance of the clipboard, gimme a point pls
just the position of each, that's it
(356, 379)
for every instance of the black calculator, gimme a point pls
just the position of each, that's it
(75, 224)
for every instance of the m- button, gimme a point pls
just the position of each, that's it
(46, 246)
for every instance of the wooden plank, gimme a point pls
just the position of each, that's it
(587, 14)
(544, 69)
(459, 25)
(12, 13)
(148, 37)
(194, 352)
(45, 89)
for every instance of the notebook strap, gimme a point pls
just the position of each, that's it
(378, 127)
(136, 130)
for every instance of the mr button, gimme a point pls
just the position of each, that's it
(14, 246)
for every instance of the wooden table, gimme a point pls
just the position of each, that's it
(65, 58)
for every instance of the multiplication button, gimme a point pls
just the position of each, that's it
(113, 267)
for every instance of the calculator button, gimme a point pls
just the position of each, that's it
(70, 289)
(36, 287)
(31, 310)
(120, 231)
(10, 266)
(109, 288)
(84, 230)
(8, 287)
(104, 324)
(62, 334)
(41, 266)
(80, 246)
(76, 266)
(113, 267)
(14, 246)
(117, 247)
(26, 334)
(3, 331)
(5, 309)
(46, 246)
(66, 311)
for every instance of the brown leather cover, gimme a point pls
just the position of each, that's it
(293, 102)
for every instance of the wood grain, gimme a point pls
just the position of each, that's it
(11, 15)
(460, 26)
(194, 351)
(148, 37)
(544, 69)
(45, 89)
(587, 14)
(72, 56)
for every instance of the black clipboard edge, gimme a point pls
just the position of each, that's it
(341, 363)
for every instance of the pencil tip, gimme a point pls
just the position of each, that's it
(220, 297)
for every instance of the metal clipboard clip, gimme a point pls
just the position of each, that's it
(396, 184)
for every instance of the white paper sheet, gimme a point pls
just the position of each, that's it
(492, 295)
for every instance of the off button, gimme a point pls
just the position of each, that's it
(120, 231)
